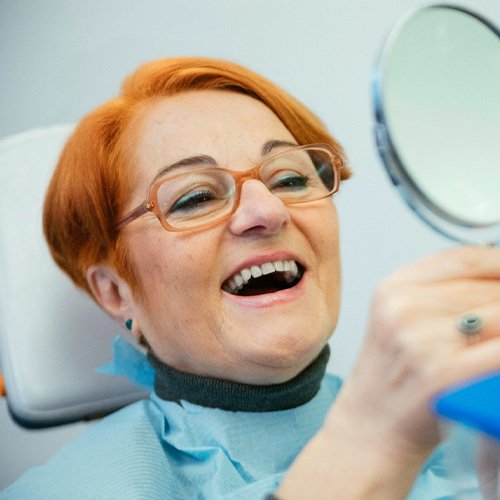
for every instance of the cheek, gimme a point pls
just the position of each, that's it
(324, 231)
(154, 262)
(174, 271)
(325, 243)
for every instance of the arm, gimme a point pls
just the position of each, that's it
(380, 430)
(336, 464)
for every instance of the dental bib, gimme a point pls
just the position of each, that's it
(177, 449)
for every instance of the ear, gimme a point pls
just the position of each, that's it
(111, 292)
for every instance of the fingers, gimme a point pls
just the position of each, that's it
(489, 324)
(398, 307)
(467, 262)
(414, 347)
(419, 334)
(472, 362)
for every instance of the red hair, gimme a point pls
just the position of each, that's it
(88, 191)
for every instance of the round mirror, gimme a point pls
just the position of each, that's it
(437, 106)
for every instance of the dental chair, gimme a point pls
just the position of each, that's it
(52, 336)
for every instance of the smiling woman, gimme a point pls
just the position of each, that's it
(196, 209)
(242, 338)
(191, 128)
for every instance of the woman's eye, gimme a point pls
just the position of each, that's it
(192, 201)
(290, 182)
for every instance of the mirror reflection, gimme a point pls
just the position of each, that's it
(437, 99)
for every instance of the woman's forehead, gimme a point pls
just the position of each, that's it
(217, 123)
(229, 127)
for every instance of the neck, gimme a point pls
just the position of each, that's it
(173, 385)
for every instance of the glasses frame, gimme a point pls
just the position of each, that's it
(150, 204)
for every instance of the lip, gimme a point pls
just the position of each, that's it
(257, 260)
(268, 299)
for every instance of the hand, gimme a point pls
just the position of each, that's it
(380, 429)
(413, 348)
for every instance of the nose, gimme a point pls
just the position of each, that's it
(259, 211)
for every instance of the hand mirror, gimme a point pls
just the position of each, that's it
(436, 94)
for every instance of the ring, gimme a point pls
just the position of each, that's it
(470, 325)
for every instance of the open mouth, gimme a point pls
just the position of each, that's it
(269, 277)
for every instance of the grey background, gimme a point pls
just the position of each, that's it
(60, 58)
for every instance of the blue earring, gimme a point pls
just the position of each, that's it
(128, 324)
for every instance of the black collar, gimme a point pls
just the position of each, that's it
(174, 385)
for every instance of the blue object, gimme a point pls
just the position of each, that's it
(475, 405)
(128, 361)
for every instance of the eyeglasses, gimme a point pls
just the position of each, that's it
(204, 197)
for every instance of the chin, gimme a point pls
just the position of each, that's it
(279, 361)
(273, 344)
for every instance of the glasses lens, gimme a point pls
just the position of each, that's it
(203, 196)
(196, 198)
(300, 175)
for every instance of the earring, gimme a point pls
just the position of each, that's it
(138, 336)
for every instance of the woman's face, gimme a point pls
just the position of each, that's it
(189, 319)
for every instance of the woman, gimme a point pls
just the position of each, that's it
(196, 209)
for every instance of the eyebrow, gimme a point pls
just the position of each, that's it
(191, 161)
(270, 146)
(205, 160)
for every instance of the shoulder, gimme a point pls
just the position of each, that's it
(115, 458)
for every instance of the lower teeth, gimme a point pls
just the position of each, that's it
(288, 279)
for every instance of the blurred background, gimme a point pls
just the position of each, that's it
(61, 58)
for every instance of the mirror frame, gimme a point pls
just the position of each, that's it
(425, 208)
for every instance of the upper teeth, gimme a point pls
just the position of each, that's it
(236, 282)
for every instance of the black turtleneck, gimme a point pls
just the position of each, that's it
(174, 385)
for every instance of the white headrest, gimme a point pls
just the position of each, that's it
(53, 336)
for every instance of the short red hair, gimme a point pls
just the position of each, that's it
(89, 190)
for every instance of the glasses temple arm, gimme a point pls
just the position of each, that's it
(131, 216)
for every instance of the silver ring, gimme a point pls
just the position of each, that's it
(470, 325)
